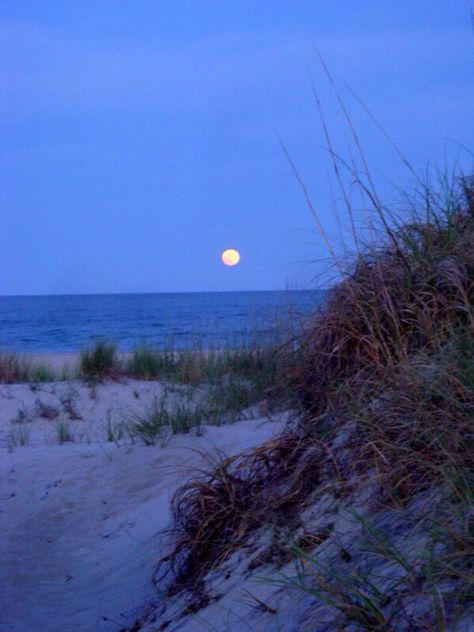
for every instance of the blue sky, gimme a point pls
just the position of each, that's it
(139, 139)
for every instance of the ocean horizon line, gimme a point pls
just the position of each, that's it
(61, 295)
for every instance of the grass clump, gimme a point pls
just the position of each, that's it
(114, 431)
(18, 436)
(232, 503)
(151, 424)
(41, 373)
(99, 361)
(183, 417)
(63, 432)
(146, 363)
(13, 368)
(163, 419)
(230, 397)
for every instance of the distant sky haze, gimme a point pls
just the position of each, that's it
(141, 139)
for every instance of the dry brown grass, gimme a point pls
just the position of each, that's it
(394, 301)
(213, 514)
(420, 432)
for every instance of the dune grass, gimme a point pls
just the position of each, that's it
(207, 386)
(392, 351)
(223, 386)
(218, 400)
(18, 436)
(99, 361)
(63, 432)
(16, 368)
(163, 418)
(256, 363)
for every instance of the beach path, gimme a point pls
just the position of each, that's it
(82, 526)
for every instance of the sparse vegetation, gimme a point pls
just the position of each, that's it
(23, 415)
(42, 373)
(221, 386)
(45, 411)
(150, 424)
(225, 395)
(146, 363)
(67, 400)
(115, 431)
(16, 368)
(63, 432)
(257, 364)
(230, 397)
(20, 435)
(164, 417)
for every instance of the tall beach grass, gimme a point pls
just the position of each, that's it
(392, 352)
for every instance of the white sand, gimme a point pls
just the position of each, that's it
(81, 522)
(64, 362)
(56, 361)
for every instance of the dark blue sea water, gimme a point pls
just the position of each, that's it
(37, 324)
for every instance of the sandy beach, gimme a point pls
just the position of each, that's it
(63, 363)
(83, 520)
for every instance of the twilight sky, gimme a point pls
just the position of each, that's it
(138, 139)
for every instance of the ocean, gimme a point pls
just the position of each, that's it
(47, 324)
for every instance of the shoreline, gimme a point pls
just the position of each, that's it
(61, 361)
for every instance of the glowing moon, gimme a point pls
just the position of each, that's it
(230, 257)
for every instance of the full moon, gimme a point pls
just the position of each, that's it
(230, 257)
